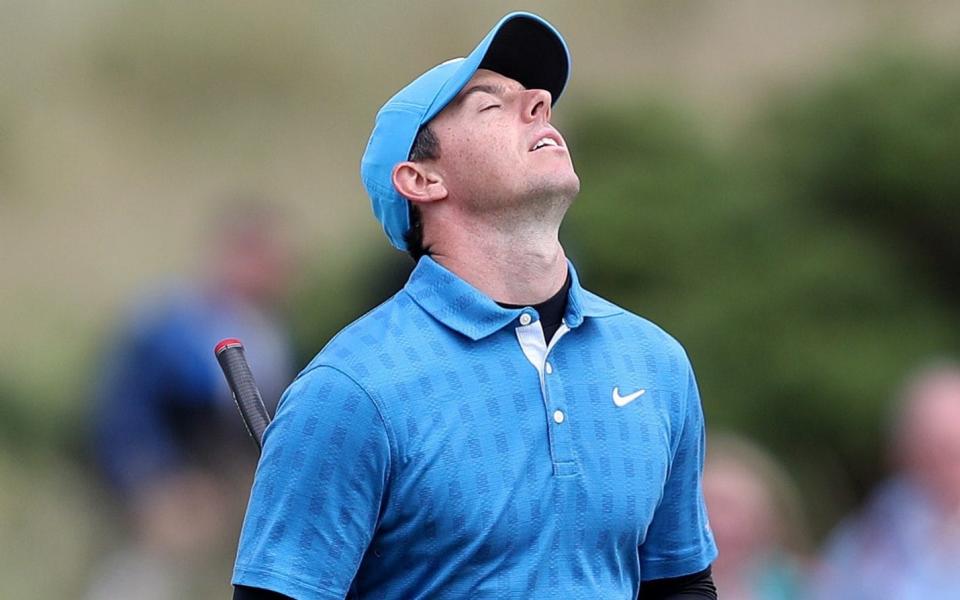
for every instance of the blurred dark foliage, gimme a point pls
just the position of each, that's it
(806, 265)
(16, 423)
(881, 145)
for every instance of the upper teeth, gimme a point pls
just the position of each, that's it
(545, 142)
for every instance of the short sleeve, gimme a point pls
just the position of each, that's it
(679, 541)
(318, 490)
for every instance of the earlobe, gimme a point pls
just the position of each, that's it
(418, 184)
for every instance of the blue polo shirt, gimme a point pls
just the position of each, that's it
(438, 448)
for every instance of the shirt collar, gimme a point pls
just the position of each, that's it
(464, 308)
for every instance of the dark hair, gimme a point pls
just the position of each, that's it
(426, 146)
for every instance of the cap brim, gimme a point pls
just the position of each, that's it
(530, 51)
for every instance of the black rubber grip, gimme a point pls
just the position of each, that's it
(232, 360)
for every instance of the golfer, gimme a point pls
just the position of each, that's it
(493, 430)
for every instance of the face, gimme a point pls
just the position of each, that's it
(741, 512)
(499, 153)
(256, 261)
(931, 437)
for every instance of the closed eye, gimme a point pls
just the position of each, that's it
(489, 107)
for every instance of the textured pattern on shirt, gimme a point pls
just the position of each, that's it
(420, 456)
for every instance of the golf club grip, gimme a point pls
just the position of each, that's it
(233, 361)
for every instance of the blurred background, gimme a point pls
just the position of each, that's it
(772, 182)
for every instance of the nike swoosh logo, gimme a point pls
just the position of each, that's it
(622, 401)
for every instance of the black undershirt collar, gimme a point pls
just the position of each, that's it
(551, 310)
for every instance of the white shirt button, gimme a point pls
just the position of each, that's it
(549, 368)
(558, 416)
(525, 319)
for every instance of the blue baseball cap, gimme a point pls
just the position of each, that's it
(522, 46)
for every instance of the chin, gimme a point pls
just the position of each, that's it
(554, 194)
(567, 185)
(574, 183)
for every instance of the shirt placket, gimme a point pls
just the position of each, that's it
(557, 417)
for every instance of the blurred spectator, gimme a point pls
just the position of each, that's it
(167, 434)
(756, 521)
(905, 543)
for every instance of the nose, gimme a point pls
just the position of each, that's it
(536, 105)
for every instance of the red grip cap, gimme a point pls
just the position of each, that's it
(227, 343)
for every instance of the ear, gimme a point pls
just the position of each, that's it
(417, 183)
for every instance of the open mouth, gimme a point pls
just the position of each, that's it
(544, 142)
(547, 140)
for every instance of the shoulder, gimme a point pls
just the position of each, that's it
(366, 350)
(352, 375)
(633, 329)
(325, 404)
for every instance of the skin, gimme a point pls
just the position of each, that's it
(492, 206)
(927, 447)
(743, 519)
(253, 261)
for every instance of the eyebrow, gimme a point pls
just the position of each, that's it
(492, 89)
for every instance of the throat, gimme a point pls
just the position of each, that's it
(508, 272)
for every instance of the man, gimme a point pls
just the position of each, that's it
(905, 543)
(164, 424)
(756, 517)
(493, 430)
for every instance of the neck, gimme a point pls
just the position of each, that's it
(508, 266)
